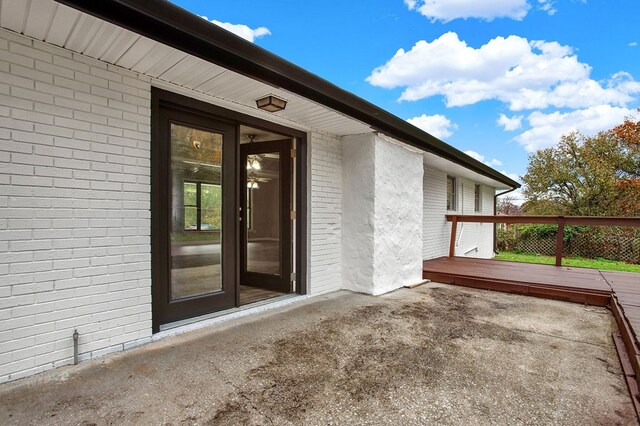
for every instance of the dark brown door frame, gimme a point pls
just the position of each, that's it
(164, 99)
(166, 310)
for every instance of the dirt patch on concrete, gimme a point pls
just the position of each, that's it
(363, 356)
(434, 354)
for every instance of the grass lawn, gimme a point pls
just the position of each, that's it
(580, 262)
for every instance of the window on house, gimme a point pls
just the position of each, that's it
(451, 193)
(202, 206)
(477, 198)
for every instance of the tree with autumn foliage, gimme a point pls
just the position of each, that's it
(587, 175)
(629, 185)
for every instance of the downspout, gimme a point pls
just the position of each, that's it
(495, 212)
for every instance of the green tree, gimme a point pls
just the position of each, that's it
(587, 175)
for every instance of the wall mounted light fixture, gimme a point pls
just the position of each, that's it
(271, 103)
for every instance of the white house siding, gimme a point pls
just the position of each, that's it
(74, 207)
(474, 239)
(436, 230)
(325, 214)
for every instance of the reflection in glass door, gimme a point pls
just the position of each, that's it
(196, 211)
(263, 213)
(193, 227)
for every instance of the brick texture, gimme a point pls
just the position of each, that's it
(75, 198)
(74, 207)
(325, 214)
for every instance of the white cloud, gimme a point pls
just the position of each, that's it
(488, 10)
(576, 94)
(448, 10)
(242, 30)
(411, 4)
(546, 129)
(513, 176)
(521, 73)
(516, 196)
(510, 123)
(481, 158)
(633, 44)
(547, 6)
(437, 125)
(475, 155)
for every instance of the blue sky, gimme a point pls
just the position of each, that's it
(501, 78)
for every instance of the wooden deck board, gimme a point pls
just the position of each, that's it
(520, 273)
(626, 287)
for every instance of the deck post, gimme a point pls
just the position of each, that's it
(452, 243)
(559, 241)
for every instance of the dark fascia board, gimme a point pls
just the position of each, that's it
(173, 26)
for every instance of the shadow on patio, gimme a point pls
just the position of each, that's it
(434, 354)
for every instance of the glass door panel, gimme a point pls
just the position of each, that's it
(263, 213)
(196, 207)
(193, 215)
(265, 247)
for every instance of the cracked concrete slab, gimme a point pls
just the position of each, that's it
(433, 354)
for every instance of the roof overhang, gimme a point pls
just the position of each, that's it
(173, 26)
(458, 170)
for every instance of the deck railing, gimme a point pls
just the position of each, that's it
(560, 221)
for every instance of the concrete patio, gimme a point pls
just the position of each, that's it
(434, 354)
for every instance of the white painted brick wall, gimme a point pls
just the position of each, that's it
(437, 231)
(74, 207)
(325, 214)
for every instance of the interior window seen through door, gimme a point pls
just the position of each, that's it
(196, 211)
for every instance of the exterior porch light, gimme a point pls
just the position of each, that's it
(271, 103)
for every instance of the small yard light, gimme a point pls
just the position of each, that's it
(271, 103)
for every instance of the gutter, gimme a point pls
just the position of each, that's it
(495, 212)
(173, 26)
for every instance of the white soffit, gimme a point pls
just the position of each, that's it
(78, 32)
(453, 169)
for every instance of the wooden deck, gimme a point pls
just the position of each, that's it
(620, 291)
(570, 284)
